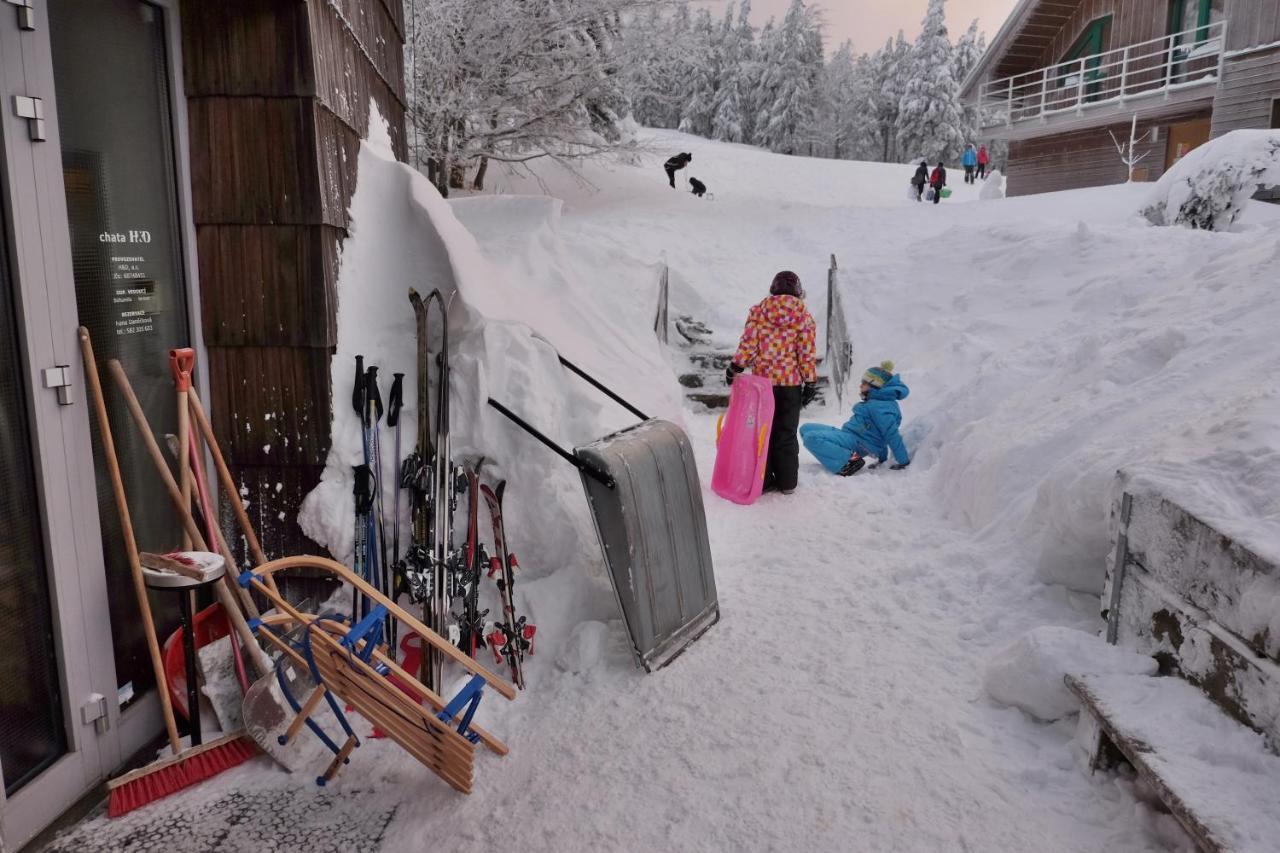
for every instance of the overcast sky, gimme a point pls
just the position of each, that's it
(870, 22)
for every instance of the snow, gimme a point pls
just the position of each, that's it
(1211, 186)
(1029, 673)
(839, 703)
(1204, 756)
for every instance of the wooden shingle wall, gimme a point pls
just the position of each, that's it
(278, 95)
(1086, 158)
(1250, 86)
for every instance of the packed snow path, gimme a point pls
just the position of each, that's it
(838, 704)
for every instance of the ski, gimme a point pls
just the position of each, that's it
(429, 476)
(469, 570)
(512, 638)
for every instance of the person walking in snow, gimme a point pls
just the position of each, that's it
(970, 162)
(984, 159)
(919, 180)
(779, 343)
(674, 165)
(872, 431)
(937, 181)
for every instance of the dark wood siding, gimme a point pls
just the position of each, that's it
(1086, 158)
(1252, 22)
(1249, 86)
(1131, 23)
(278, 96)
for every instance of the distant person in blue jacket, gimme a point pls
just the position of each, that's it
(872, 431)
(970, 163)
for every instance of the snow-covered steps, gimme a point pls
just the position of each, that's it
(702, 376)
(1216, 776)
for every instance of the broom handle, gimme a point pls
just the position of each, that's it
(130, 544)
(224, 477)
(184, 450)
(218, 541)
(225, 598)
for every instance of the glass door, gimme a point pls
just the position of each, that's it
(32, 734)
(110, 66)
(92, 225)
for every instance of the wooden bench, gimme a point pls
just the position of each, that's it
(1202, 733)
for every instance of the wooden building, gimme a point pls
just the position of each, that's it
(1062, 76)
(174, 173)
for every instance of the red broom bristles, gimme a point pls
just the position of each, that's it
(170, 775)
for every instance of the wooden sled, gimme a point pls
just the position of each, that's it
(352, 670)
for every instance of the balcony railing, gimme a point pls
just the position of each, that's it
(1162, 66)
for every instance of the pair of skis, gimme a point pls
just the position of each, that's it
(435, 573)
(512, 638)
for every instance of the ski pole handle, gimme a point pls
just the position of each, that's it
(357, 390)
(395, 400)
(372, 395)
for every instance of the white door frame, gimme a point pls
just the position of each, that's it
(41, 270)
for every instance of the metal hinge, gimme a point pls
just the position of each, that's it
(59, 378)
(26, 13)
(95, 711)
(32, 109)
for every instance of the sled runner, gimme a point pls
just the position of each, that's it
(742, 441)
(350, 669)
(646, 503)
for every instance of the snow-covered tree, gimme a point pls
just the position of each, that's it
(703, 83)
(844, 126)
(930, 119)
(727, 120)
(969, 49)
(891, 68)
(513, 80)
(792, 63)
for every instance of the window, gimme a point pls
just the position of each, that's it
(1185, 15)
(1089, 44)
(1275, 113)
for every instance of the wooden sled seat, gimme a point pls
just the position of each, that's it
(353, 671)
(1216, 776)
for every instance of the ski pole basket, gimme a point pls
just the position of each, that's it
(351, 669)
(646, 504)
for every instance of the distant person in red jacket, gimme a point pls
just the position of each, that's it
(983, 160)
(937, 181)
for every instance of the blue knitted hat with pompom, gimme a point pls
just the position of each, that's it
(876, 377)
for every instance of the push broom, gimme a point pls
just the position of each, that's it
(184, 767)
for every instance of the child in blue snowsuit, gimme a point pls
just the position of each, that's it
(872, 431)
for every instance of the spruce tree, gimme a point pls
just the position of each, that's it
(930, 119)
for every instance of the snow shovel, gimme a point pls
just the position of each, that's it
(646, 503)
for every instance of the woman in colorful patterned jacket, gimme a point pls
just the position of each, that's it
(779, 344)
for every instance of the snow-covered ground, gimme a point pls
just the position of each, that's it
(839, 704)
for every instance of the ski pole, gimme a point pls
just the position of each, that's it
(378, 526)
(395, 401)
(359, 550)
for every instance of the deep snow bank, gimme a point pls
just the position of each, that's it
(1066, 341)
(506, 312)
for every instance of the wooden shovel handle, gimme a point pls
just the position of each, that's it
(130, 543)
(225, 597)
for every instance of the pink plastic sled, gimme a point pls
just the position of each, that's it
(742, 441)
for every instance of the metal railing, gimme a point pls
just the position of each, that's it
(1158, 67)
(839, 357)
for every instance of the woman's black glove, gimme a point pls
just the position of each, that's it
(730, 372)
(808, 393)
